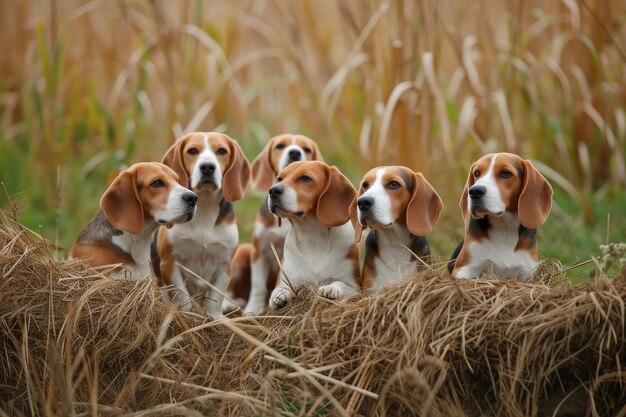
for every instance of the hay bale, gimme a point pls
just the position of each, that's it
(474, 347)
(72, 340)
(75, 342)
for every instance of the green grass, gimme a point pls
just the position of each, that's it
(567, 237)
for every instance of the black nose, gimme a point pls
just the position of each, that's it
(275, 192)
(208, 168)
(190, 198)
(364, 203)
(295, 154)
(477, 191)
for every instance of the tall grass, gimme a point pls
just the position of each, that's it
(88, 87)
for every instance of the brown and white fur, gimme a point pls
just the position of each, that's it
(263, 269)
(400, 207)
(214, 166)
(238, 288)
(320, 247)
(137, 201)
(504, 201)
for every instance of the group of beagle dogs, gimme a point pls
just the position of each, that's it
(175, 220)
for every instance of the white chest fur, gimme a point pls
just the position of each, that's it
(273, 234)
(394, 260)
(138, 247)
(497, 254)
(200, 244)
(314, 253)
(205, 248)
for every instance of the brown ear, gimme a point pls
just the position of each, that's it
(173, 158)
(262, 169)
(237, 174)
(317, 154)
(121, 203)
(354, 218)
(424, 207)
(334, 202)
(464, 196)
(535, 200)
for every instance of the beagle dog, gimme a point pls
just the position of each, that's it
(504, 201)
(214, 166)
(400, 207)
(279, 152)
(137, 201)
(320, 246)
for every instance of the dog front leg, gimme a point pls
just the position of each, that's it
(179, 290)
(258, 292)
(214, 300)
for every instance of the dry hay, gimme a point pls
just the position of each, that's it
(74, 342)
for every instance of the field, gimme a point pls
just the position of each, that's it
(88, 88)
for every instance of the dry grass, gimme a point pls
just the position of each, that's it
(73, 342)
(87, 87)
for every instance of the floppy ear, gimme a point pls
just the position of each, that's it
(262, 169)
(535, 200)
(354, 218)
(334, 202)
(424, 207)
(121, 203)
(173, 158)
(237, 173)
(464, 196)
(317, 154)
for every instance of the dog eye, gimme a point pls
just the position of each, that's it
(306, 149)
(477, 173)
(365, 185)
(158, 184)
(221, 152)
(394, 185)
(304, 178)
(506, 174)
(192, 151)
(278, 179)
(280, 146)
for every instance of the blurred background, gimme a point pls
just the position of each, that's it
(89, 87)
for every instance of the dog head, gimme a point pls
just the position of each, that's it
(147, 191)
(312, 189)
(395, 195)
(279, 152)
(502, 182)
(210, 162)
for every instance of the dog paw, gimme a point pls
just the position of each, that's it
(331, 292)
(253, 308)
(280, 297)
(229, 306)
